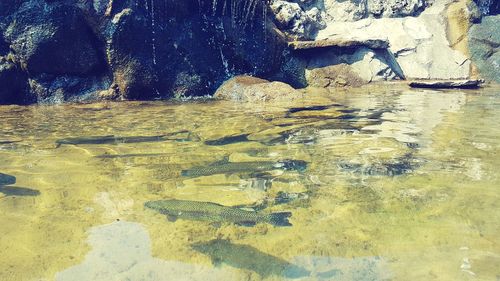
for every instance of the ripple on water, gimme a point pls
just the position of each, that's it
(396, 182)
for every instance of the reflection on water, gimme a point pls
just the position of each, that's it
(387, 185)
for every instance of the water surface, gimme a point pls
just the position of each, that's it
(399, 185)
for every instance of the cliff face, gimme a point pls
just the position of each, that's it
(136, 49)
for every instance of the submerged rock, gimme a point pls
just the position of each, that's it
(252, 89)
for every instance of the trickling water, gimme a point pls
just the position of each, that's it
(225, 62)
(153, 31)
(214, 7)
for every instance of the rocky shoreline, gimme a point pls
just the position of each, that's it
(55, 51)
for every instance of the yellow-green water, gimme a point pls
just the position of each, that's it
(400, 184)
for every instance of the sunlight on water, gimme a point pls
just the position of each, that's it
(387, 185)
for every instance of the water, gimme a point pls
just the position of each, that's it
(400, 185)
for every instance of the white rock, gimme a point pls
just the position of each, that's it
(419, 44)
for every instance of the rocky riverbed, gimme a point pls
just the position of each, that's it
(65, 51)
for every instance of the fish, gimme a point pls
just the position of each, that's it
(9, 141)
(401, 166)
(18, 191)
(246, 257)
(7, 179)
(228, 140)
(225, 167)
(312, 108)
(208, 211)
(111, 139)
(132, 155)
(308, 134)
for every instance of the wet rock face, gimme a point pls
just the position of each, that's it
(74, 50)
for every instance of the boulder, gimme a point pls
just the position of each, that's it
(186, 53)
(252, 89)
(334, 76)
(129, 55)
(53, 39)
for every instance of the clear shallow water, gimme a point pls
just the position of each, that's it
(400, 185)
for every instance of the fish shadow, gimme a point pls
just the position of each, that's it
(18, 191)
(246, 257)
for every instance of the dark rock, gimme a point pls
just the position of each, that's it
(57, 89)
(53, 39)
(184, 50)
(9, 6)
(4, 46)
(13, 84)
(489, 7)
(130, 55)
(85, 50)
